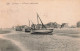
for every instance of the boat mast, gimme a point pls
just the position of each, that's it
(29, 23)
(32, 22)
(37, 19)
(41, 21)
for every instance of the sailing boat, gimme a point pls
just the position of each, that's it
(42, 30)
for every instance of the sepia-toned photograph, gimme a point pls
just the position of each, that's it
(39, 25)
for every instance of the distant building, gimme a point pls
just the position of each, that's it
(53, 25)
(33, 26)
(38, 26)
(20, 28)
(73, 26)
(64, 25)
(24, 26)
(78, 24)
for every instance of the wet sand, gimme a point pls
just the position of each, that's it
(6, 45)
(56, 42)
(53, 42)
(4, 31)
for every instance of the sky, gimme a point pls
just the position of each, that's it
(18, 12)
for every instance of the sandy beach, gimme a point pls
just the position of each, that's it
(56, 42)
(6, 45)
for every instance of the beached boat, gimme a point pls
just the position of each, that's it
(27, 28)
(18, 28)
(42, 30)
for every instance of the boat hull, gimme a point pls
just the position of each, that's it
(26, 30)
(42, 31)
